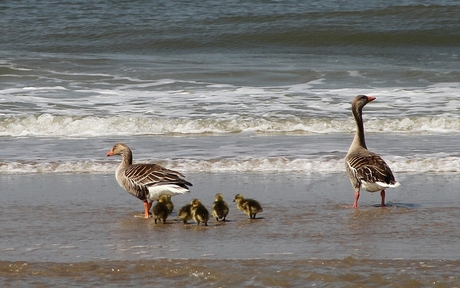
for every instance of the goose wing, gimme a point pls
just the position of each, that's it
(153, 174)
(369, 168)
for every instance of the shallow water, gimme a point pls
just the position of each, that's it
(307, 232)
(349, 272)
(245, 152)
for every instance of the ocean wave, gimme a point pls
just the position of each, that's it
(325, 165)
(93, 126)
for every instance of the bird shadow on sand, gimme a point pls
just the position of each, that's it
(257, 218)
(399, 205)
(388, 205)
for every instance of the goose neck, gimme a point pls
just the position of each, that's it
(359, 139)
(126, 159)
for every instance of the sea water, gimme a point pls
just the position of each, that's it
(220, 89)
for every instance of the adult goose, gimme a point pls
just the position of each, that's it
(146, 181)
(365, 168)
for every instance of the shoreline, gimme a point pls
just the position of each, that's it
(78, 217)
(264, 273)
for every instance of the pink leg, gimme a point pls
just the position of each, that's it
(355, 204)
(382, 194)
(147, 206)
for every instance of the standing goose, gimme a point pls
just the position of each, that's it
(366, 169)
(146, 181)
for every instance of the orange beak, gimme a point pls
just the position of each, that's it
(370, 98)
(110, 153)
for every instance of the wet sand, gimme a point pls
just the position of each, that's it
(307, 228)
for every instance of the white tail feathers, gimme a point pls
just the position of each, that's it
(170, 189)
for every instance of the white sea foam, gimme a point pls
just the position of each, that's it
(250, 165)
(169, 98)
(68, 126)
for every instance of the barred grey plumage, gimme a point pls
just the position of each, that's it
(146, 181)
(365, 168)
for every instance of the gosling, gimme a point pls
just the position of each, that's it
(249, 206)
(185, 213)
(169, 203)
(160, 210)
(199, 212)
(219, 208)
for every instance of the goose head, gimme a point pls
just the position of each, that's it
(360, 101)
(119, 149)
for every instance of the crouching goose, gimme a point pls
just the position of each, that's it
(366, 169)
(146, 181)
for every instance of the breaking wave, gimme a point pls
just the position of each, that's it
(92, 126)
(251, 165)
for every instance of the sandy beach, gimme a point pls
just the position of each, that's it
(86, 219)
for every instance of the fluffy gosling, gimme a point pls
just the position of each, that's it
(160, 210)
(249, 206)
(169, 203)
(185, 213)
(199, 212)
(219, 208)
